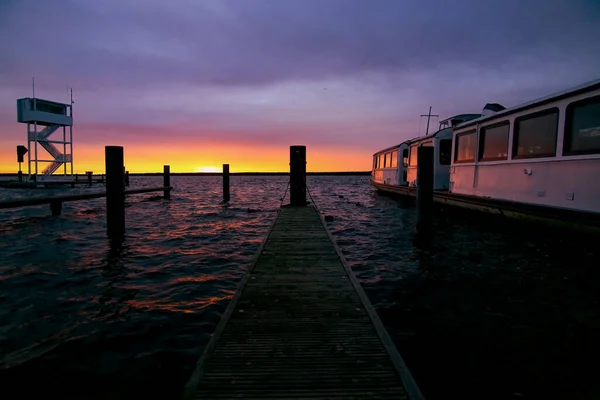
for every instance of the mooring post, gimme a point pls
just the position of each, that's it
(115, 192)
(167, 182)
(56, 207)
(298, 175)
(424, 188)
(225, 183)
(126, 178)
(20, 175)
(89, 177)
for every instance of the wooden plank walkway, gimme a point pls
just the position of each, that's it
(300, 326)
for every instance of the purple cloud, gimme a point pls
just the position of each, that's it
(338, 68)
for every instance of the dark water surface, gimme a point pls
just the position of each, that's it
(490, 309)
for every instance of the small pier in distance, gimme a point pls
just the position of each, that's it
(300, 325)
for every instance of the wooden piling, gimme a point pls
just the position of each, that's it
(126, 178)
(89, 177)
(424, 188)
(20, 175)
(115, 192)
(167, 182)
(225, 183)
(298, 175)
(56, 207)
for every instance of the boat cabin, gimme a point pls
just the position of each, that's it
(545, 152)
(441, 141)
(389, 165)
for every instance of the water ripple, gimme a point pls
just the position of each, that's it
(484, 299)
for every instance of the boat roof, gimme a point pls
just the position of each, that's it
(458, 117)
(455, 118)
(586, 87)
(391, 147)
(421, 138)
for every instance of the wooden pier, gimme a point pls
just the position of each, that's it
(300, 326)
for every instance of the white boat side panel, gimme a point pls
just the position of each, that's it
(565, 183)
(389, 176)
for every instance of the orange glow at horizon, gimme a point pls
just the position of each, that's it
(208, 169)
(194, 157)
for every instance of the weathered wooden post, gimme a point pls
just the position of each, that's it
(20, 175)
(298, 175)
(424, 188)
(167, 182)
(225, 183)
(115, 192)
(56, 207)
(126, 178)
(89, 177)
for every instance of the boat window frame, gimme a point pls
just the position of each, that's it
(457, 142)
(568, 129)
(394, 159)
(481, 141)
(416, 147)
(537, 114)
(405, 154)
(440, 152)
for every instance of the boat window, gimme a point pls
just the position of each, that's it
(380, 161)
(394, 159)
(374, 162)
(582, 127)
(493, 142)
(465, 147)
(405, 158)
(413, 156)
(445, 151)
(535, 134)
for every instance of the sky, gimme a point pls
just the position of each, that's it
(199, 83)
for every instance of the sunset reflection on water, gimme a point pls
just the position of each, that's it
(129, 319)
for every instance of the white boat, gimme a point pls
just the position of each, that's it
(541, 155)
(545, 152)
(397, 165)
(441, 141)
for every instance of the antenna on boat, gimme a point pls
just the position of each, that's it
(429, 115)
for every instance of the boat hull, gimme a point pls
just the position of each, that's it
(573, 219)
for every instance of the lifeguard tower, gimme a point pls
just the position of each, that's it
(45, 118)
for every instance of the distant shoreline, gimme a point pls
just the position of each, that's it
(231, 173)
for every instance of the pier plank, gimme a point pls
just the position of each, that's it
(301, 327)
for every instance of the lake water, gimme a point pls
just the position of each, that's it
(489, 309)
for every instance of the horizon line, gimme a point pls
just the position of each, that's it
(216, 173)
